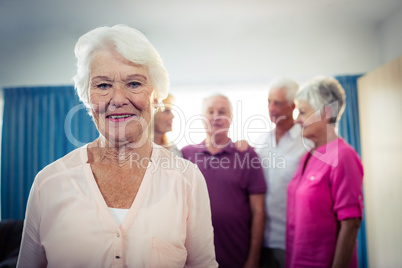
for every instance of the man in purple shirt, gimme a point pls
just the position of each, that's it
(236, 186)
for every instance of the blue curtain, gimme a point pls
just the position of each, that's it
(40, 125)
(349, 130)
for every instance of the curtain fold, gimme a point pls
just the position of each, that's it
(34, 135)
(349, 130)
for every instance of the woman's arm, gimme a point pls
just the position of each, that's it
(257, 229)
(346, 242)
(31, 252)
(346, 191)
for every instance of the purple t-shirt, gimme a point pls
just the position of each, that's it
(231, 177)
(323, 192)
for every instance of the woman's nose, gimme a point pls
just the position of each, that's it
(119, 97)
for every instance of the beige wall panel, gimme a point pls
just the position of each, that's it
(380, 109)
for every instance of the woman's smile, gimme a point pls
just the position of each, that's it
(122, 117)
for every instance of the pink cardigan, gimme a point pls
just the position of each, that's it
(327, 192)
(68, 223)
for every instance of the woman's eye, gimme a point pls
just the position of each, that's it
(134, 84)
(103, 86)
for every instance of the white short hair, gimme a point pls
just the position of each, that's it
(204, 101)
(129, 43)
(324, 91)
(289, 85)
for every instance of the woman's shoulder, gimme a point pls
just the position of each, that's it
(173, 149)
(175, 166)
(348, 158)
(66, 163)
(346, 151)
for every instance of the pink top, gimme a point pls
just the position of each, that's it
(327, 191)
(68, 223)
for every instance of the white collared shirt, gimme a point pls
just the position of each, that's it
(279, 162)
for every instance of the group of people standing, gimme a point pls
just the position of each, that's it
(311, 205)
(94, 208)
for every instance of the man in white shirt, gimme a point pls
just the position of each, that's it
(280, 151)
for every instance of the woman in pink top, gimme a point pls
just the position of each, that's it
(121, 200)
(324, 205)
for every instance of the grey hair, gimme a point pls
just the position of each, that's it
(289, 85)
(217, 96)
(324, 91)
(128, 42)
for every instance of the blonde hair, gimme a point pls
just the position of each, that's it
(167, 102)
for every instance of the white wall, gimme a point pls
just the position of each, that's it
(39, 57)
(390, 35)
(250, 112)
(44, 56)
(256, 54)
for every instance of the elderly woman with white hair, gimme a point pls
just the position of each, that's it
(113, 203)
(324, 204)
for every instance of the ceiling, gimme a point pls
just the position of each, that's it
(184, 26)
(210, 15)
(186, 14)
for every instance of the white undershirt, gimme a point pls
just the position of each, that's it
(119, 214)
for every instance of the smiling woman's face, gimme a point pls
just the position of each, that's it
(121, 96)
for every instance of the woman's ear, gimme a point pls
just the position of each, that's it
(155, 103)
(328, 113)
